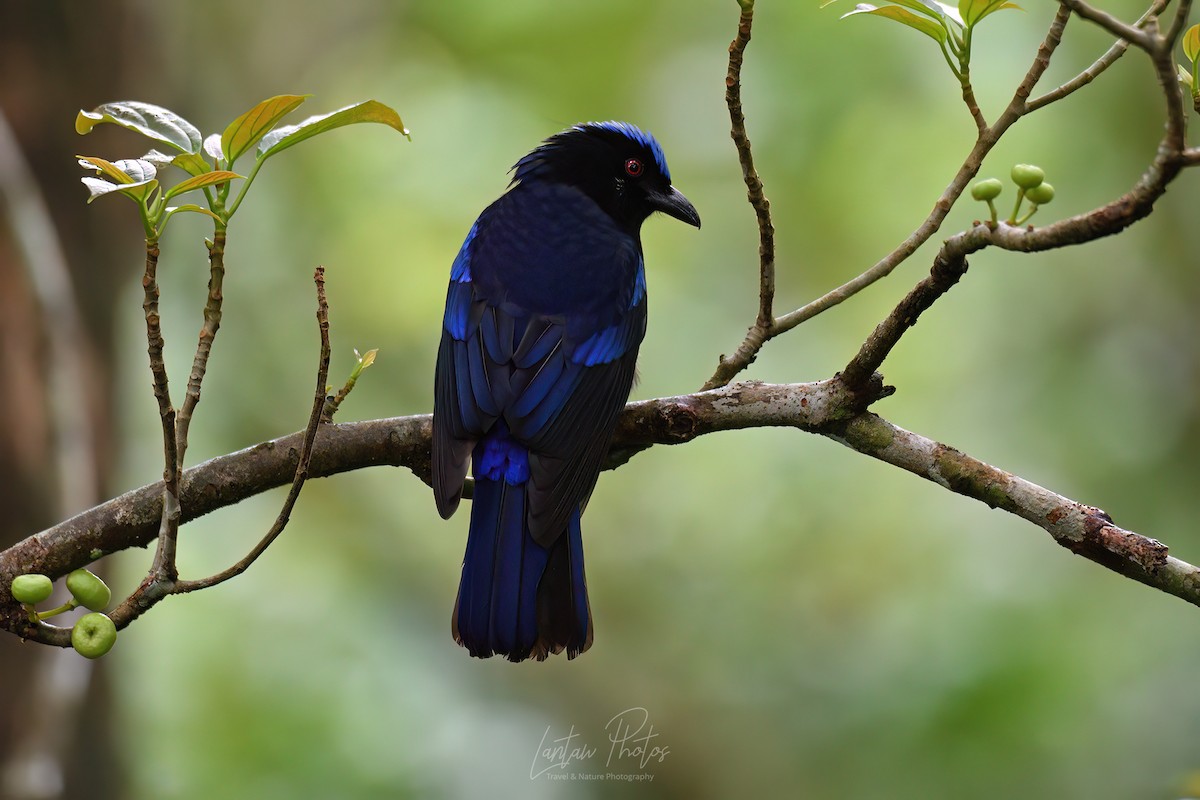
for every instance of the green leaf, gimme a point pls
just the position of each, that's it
(1185, 77)
(930, 8)
(207, 179)
(138, 190)
(973, 11)
(212, 149)
(127, 170)
(1191, 43)
(192, 207)
(246, 131)
(191, 163)
(903, 16)
(152, 121)
(281, 139)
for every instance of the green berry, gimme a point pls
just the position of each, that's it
(987, 189)
(1027, 176)
(88, 590)
(1041, 194)
(31, 589)
(93, 635)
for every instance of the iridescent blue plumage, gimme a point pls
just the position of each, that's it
(545, 312)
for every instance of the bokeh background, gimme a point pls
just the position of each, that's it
(795, 619)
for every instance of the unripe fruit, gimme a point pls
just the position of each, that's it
(88, 590)
(1027, 176)
(1041, 194)
(987, 189)
(31, 589)
(93, 635)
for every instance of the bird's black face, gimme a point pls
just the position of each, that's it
(619, 166)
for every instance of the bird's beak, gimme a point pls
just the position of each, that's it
(673, 203)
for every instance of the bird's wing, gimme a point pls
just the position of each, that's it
(458, 418)
(565, 411)
(556, 376)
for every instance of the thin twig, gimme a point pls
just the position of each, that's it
(761, 330)
(1097, 67)
(208, 332)
(756, 337)
(1109, 219)
(1130, 33)
(163, 567)
(302, 466)
(1181, 19)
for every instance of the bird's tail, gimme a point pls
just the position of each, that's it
(517, 598)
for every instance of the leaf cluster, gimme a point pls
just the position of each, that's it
(950, 26)
(208, 161)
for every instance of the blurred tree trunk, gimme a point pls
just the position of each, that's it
(57, 734)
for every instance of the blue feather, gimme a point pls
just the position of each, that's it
(545, 311)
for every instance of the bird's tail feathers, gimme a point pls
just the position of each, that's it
(517, 598)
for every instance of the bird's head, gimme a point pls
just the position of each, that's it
(616, 164)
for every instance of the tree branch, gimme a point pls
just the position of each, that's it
(758, 335)
(301, 475)
(761, 330)
(827, 408)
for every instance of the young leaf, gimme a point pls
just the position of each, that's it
(246, 131)
(1185, 77)
(212, 148)
(281, 139)
(191, 163)
(127, 170)
(152, 121)
(973, 11)
(198, 181)
(1191, 43)
(903, 16)
(137, 191)
(173, 210)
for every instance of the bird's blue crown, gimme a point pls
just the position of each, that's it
(530, 164)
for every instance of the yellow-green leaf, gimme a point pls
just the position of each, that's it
(281, 139)
(159, 124)
(172, 210)
(104, 168)
(246, 131)
(1191, 43)
(137, 191)
(973, 11)
(191, 163)
(905, 17)
(198, 181)
(127, 170)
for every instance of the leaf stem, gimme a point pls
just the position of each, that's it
(237, 202)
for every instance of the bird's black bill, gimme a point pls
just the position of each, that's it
(674, 204)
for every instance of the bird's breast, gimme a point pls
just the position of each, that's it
(550, 250)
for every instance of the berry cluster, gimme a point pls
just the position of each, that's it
(1031, 186)
(93, 634)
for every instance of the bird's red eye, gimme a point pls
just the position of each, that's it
(634, 168)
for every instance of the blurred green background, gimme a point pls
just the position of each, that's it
(796, 619)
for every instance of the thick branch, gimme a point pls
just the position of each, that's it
(1082, 529)
(827, 408)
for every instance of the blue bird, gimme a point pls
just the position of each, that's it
(544, 316)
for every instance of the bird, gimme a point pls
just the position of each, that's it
(545, 312)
